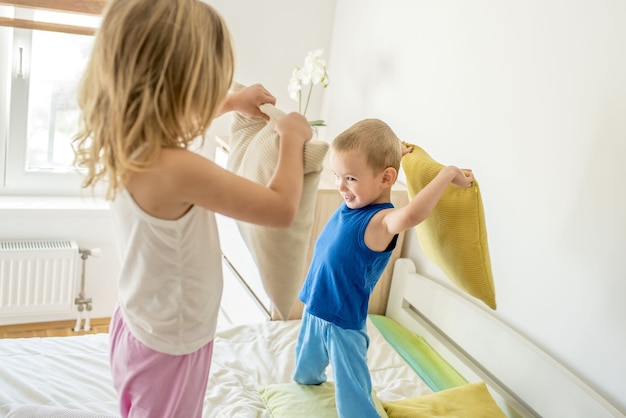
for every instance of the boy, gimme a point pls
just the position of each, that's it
(351, 253)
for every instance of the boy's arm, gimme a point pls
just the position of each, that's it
(418, 209)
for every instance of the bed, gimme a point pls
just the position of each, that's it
(418, 350)
(72, 373)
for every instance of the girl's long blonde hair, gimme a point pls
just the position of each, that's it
(157, 76)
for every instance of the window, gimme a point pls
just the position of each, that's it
(44, 69)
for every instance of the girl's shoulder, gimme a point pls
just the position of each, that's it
(182, 163)
(159, 190)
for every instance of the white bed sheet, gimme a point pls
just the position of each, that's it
(73, 372)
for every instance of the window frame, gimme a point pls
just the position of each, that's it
(15, 179)
(90, 7)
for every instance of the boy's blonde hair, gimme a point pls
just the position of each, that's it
(375, 139)
(157, 76)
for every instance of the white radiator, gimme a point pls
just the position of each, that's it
(38, 277)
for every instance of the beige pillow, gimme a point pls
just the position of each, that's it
(454, 236)
(468, 401)
(279, 253)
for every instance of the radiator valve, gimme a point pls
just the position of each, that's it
(82, 302)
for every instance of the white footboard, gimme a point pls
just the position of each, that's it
(525, 380)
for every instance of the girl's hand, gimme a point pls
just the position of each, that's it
(294, 125)
(462, 177)
(248, 100)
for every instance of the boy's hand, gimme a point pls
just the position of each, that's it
(462, 178)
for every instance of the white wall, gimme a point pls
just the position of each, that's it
(532, 96)
(5, 69)
(271, 38)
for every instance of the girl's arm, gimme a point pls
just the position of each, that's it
(184, 178)
(248, 100)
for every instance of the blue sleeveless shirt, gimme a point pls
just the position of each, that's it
(343, 269)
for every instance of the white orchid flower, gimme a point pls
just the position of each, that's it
(313, 72)
(315, 67)
(295, 85)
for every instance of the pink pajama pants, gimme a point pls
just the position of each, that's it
(151, 384)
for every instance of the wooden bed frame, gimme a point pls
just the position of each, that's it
(524, 380)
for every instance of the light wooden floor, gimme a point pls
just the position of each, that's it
(52, 329)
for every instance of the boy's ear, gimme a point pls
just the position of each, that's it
(390, 176)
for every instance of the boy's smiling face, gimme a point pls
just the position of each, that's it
(357, 182)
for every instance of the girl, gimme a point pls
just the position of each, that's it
(158, 75)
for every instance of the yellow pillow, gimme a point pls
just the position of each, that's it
(468, 401)
(289, 400)
(454, 236)
(279, 253)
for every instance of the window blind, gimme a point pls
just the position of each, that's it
(87, 7)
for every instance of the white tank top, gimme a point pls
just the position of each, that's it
(170, 284)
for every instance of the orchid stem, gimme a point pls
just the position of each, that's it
(300, 101)
(307, 99)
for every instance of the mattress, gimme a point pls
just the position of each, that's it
(70, 376)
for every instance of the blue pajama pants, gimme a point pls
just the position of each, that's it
(320, 343)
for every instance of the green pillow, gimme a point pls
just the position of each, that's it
(436, 372)
(468, 401)
(289, 400)
(454, 236)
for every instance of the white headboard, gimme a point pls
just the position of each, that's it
(525, 381)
